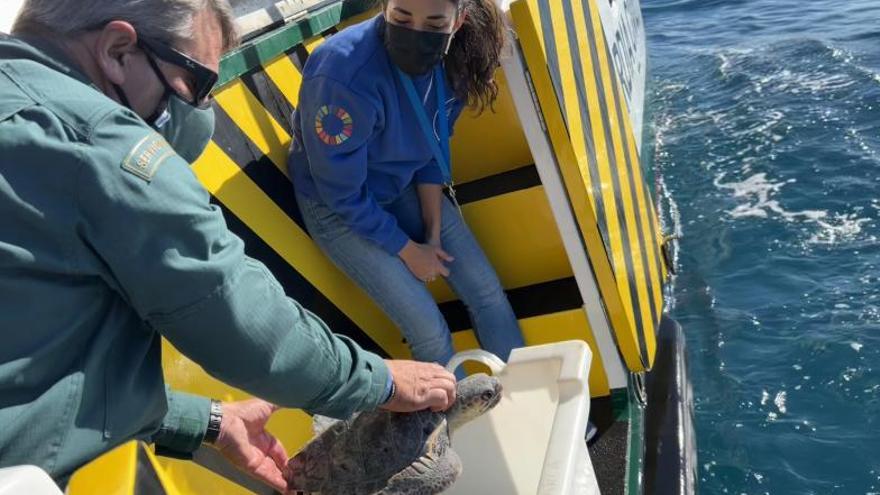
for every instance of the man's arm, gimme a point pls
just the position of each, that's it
(184, 425)
(171, 258)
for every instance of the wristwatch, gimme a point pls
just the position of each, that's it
(214, 421)
(391, 391)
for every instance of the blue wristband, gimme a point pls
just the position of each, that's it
(389, 391)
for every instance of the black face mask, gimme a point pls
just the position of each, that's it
(415, 52)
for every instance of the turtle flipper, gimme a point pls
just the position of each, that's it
(429, 475)
(322, 423)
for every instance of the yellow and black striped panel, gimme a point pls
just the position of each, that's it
(292, 427)
(131, 468)
(245, 169)
(572, 71)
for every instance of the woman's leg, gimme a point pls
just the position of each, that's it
(385, 278)
(471, 275)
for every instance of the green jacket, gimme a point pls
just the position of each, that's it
(107, 242)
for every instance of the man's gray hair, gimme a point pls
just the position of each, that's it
(168, 21)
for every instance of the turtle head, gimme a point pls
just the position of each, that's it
(474, 395)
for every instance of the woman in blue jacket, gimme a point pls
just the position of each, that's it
(370, 157)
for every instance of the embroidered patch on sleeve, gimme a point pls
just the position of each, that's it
(333, 125)
(147, 155)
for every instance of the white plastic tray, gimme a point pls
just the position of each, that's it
(532, 442)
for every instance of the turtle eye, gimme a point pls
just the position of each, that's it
(487, 396)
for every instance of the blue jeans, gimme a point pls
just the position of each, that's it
(402, 296)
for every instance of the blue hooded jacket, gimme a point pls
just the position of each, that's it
(357, 143)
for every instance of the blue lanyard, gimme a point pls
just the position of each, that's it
(440, 147)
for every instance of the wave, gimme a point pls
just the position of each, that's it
(759, 192)
(660, 6)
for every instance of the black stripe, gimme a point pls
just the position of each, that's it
(533, 300)
(300, 56)
(552, 57)
(586, 125)
(270, 96)
(258, 167)
(498, 184)
(618, 199)
(146, 481)
(295, 285)
(632, 163)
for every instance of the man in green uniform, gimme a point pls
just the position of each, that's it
(108, 241)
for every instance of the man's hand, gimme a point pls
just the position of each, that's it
(420, 386)
(244, 441)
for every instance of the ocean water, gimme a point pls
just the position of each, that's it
(766, 124)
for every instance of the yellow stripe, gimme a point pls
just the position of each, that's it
(490, 143)
(313, 43)
(518, 233)
(645, 206)
(255, 122)
(660, 239)
(286, 78)
(555, 327)
(113, 472)
(225, 180)
(625, 193)
(356, 19)
(166, 478)
(525, 22)
(539, 28)
(291, 426)
(570, 95)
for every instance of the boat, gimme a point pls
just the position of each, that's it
(555, 186)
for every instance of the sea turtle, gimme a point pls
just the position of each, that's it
(387, 453)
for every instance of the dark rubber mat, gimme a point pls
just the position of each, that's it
(608, 454)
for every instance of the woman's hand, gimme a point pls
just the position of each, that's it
(433, 238)
(425, 261)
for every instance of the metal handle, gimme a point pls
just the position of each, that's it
(492, 361)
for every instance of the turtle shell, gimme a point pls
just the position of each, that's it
(359, 455)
